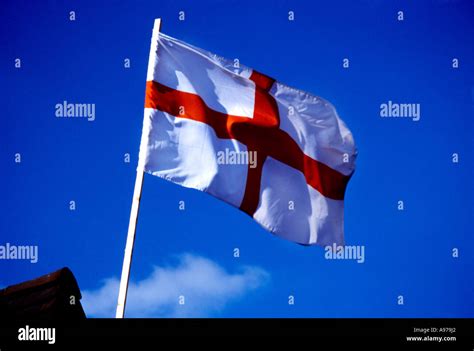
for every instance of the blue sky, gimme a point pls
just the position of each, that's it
(407, 252)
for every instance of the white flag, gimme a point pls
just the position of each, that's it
(279, 154)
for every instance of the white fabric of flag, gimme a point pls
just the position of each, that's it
(281, 155)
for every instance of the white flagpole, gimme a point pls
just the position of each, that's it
(127, 258)
(132, 226)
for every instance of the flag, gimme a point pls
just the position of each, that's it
(281, 155)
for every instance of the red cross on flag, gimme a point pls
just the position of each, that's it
(279, 154)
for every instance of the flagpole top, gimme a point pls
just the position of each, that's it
(156, 27)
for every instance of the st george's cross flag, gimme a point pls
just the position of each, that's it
(281, 155)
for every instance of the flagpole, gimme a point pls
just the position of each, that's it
(132, 225)
(127, 258)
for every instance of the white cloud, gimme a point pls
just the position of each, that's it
(206, 286)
